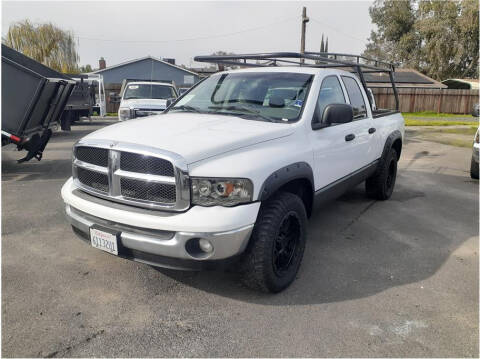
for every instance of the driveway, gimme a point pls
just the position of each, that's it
(394, 278)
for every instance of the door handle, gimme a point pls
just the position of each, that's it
(349, 137)
(371, 130)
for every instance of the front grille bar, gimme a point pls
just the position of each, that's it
(180, 177)
(145, 177)
(89, 166)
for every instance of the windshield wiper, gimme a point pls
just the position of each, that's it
(186, 108)
(242, 108)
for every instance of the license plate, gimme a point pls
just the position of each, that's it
(103, 240)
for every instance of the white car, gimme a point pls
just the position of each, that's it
(474, 160)
(141, 99)
(229, 175)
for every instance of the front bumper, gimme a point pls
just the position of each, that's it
(160, 238)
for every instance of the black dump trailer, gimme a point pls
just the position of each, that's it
(33, 99)
(81, 102)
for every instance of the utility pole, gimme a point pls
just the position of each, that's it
(305, 19)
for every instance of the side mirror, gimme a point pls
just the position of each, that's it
(334, 113)
(337, 113)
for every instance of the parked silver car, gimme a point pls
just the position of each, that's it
(474, 161)
(476, 110)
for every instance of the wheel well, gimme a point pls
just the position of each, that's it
(397, 145)
(303, 188)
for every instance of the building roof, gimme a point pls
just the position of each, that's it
(141, 59)
(468, 84)
(205, 71)
(403, 78)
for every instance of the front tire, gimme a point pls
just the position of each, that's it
(276, 247)
(473, 169)
(380, 185)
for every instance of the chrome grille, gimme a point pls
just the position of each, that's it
(98, 181)
(135, 162)
(132, 174)
(95, 156)
(148, 191)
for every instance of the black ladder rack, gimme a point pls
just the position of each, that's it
(353, 63)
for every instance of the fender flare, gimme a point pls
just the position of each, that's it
(297, 170)
(395, 135)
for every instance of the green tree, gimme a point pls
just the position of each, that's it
(449, 33)
(86, 68)
(44, 43)
(438, 38)
(394, 39)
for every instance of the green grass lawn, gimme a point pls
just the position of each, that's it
(428, 118)
(431, 114)
(451, 122)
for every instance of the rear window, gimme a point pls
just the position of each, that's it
(356, 98)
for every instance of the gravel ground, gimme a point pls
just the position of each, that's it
(394, 278)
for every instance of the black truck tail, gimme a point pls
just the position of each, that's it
(33, 99)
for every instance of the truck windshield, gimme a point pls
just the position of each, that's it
(264, 96)
(148, 91)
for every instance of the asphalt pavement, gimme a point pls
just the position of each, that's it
(394, 278)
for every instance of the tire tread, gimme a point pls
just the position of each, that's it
(253, 265)
(375, 185)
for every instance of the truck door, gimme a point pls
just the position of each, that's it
(362, 114)
(340, 149)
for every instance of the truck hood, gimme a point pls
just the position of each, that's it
(145, 103)
(193, 136)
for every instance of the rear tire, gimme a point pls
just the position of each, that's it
(473, 169)
(380, 185)
(276, 247)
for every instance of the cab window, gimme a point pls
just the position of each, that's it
(356, 98)
(330, 92)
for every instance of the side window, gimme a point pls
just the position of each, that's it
(330, 92)
(356, 98)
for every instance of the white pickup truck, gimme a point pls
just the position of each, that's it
(231, 172)
(142, 98)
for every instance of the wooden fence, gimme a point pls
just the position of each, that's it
(112, 89)
(411, 99)
(436, 100)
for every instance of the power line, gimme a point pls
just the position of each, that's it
(335, 29)
(193, 38)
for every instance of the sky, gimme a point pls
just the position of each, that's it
(123, 31)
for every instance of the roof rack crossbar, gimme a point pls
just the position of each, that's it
(357, 63)
(322, 59)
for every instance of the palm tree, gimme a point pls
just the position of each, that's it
(44, 43)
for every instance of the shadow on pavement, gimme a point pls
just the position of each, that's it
(358, 247)
(34, 170)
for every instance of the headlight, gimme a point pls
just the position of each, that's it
(221, 191)
(124, 113)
